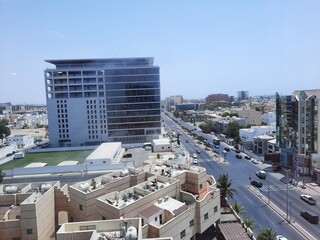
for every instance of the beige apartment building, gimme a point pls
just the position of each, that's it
(160, 200)
(251, 116)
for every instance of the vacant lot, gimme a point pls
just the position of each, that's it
(51, 158)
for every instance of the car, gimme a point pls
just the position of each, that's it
(227, 149)
(9, 154)
(280, 237)
(247, 157)
(195, 161)
(216, 146)
(261, 174)
(254, 161)
(256, 184)
(187, 141)
(310, 217)
(238, 156)
(194, 155)
(308, 199)
(198, 151)
(237, 151)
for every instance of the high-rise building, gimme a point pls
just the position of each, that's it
(298, 131)
(242, 95)
(91, 101)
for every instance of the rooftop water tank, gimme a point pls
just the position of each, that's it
(84, 186)
(45, 186)
(132, 233)
(159, 163)
(124, 173)
(11, 189)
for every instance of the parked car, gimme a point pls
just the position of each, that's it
(247, 157)
(198, 151)
(238, 156)
(227, 149)
(237, 151)
(187, 141)
(308, 199)
(280, 237)
(310, 217)
(254, 161)
(194, 155)
(195, 161)
(256, 184)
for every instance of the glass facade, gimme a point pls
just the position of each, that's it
(106, 100)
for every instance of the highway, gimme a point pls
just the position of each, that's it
(239, 170)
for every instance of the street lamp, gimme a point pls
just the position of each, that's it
(224, 155)
(288, 171)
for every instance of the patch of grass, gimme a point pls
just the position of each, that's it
(51, 158)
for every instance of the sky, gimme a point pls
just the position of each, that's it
(202, 47)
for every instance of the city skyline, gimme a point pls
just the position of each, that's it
(262, 47)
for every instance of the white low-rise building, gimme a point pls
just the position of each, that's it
(161, 145)
(22, 141)
(106, 153)
(248, 134)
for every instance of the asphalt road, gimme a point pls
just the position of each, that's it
(239, 170)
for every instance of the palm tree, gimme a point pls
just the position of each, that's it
(267, 234)
(224, 184)
(249, 223)
(238, 208)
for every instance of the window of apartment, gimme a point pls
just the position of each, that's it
(29, 231)
(215, 209)
(80, 207)
(191, 223)
(200, 186)
(104, 161)
(104, 218)
(156, 219)
(206, 216)
(18, 217)
(183, 234)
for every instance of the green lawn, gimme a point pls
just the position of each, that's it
(51, 158)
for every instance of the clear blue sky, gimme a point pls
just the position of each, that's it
(202, 47)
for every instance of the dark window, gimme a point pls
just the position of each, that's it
(183, 234)
(215, 209)
(80, 207)
(206, 216)
(29, 231)
(191, 223)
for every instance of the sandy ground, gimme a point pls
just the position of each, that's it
(38, 132)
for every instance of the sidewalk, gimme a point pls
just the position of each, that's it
(277, 210)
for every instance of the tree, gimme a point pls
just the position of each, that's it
(232, 131)
(4, 130)
(224, 184)
(266, 234)
(238, 208)
(249, 223)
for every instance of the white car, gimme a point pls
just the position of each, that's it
(195, 161)
(194, 156)
(280, 237)
(308, 199)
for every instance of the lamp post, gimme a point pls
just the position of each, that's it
(287, 217)
(224, 155)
